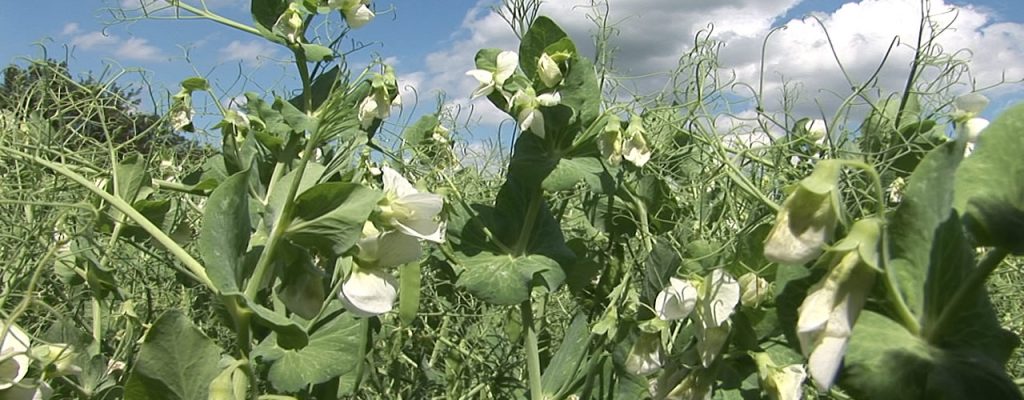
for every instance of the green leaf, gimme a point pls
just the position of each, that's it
(569, 363)
(195, 83)
(580, 90)
(317, 53)
(295, 118)
(990, 184)
(333, 350)
(130, 177)
(884, 360)
(176, 362)
(542, 33)
(926, 205)
(276, 200)
(502, 279)
(423, 128)
(975, 326)
(321, 89)
(570, 171)
(289, 334)
(265, 13)
(224, 237)
(330, 216)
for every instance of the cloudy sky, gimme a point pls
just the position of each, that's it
(432, 43)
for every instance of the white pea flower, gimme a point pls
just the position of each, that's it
(610, 141)
(440, 134)
(28, 391)
(645, 356)
(374, 106)
(781, 383)
(530, 117)
(289, 24)
(548, 70)
(754, 289)
(718, 299)
(407, 210)
(676, 301)
(832, 305)
(181, 111)
(369, 291)
(506, 63)
(59, 356)
(356, 12)
(14, 346)
(807, 219)
(816, 130)
(635, 149)
(965, 118)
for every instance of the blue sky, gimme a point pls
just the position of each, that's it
(431, 42)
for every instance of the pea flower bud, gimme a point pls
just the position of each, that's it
(832, 305)
(807, 219)
(548, 70)
(753, 289)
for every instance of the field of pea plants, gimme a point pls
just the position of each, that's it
(622, 247)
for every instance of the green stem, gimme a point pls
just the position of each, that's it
(262, 271)
(190, 263)
(217, 18)
(532, 351)
(891, 281)
(962, 298)
(528, 223)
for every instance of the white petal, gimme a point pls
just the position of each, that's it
(725, 295)
(396, 183)
(645, 355)
(971, 103)
(549, 99)
(533, 121)
(426, 229)
(369, 292)
(422, 205)
(548, 70)
(973, 127)
(14, 350)
(824, 362)
(789, 381)
(483, 76)
(358, 17)
(367, 111)
(676, 301)
(397, 249)
(816, 129)
(507, 62)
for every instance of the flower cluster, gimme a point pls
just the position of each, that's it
(383, 95)
(356, 12)
(711, 301)
(522, 100)
(616, 144)
(405, 217)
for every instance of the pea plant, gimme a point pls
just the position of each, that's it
(621, 251)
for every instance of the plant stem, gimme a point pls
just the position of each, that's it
(970, 287)
(260, 274)
(217, 18)
(532, 351)
(190, 263)
(528, 223)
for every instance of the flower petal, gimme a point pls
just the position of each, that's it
(399, 249)
(971, 103)
(358, 17)
(485, 77)
(396, 183)
(14, 352)
(369, 292)
(549, 99)
(676, 301)
(507, 63)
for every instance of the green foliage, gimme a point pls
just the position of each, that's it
(176, 361)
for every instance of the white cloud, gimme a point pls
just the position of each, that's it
(92, 40)
(70, 28)
(651, 35)
(138, 49)
(251, 52)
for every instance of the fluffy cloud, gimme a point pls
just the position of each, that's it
(651, 35)
(252, 52)
(132, 48)
(70, 28)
